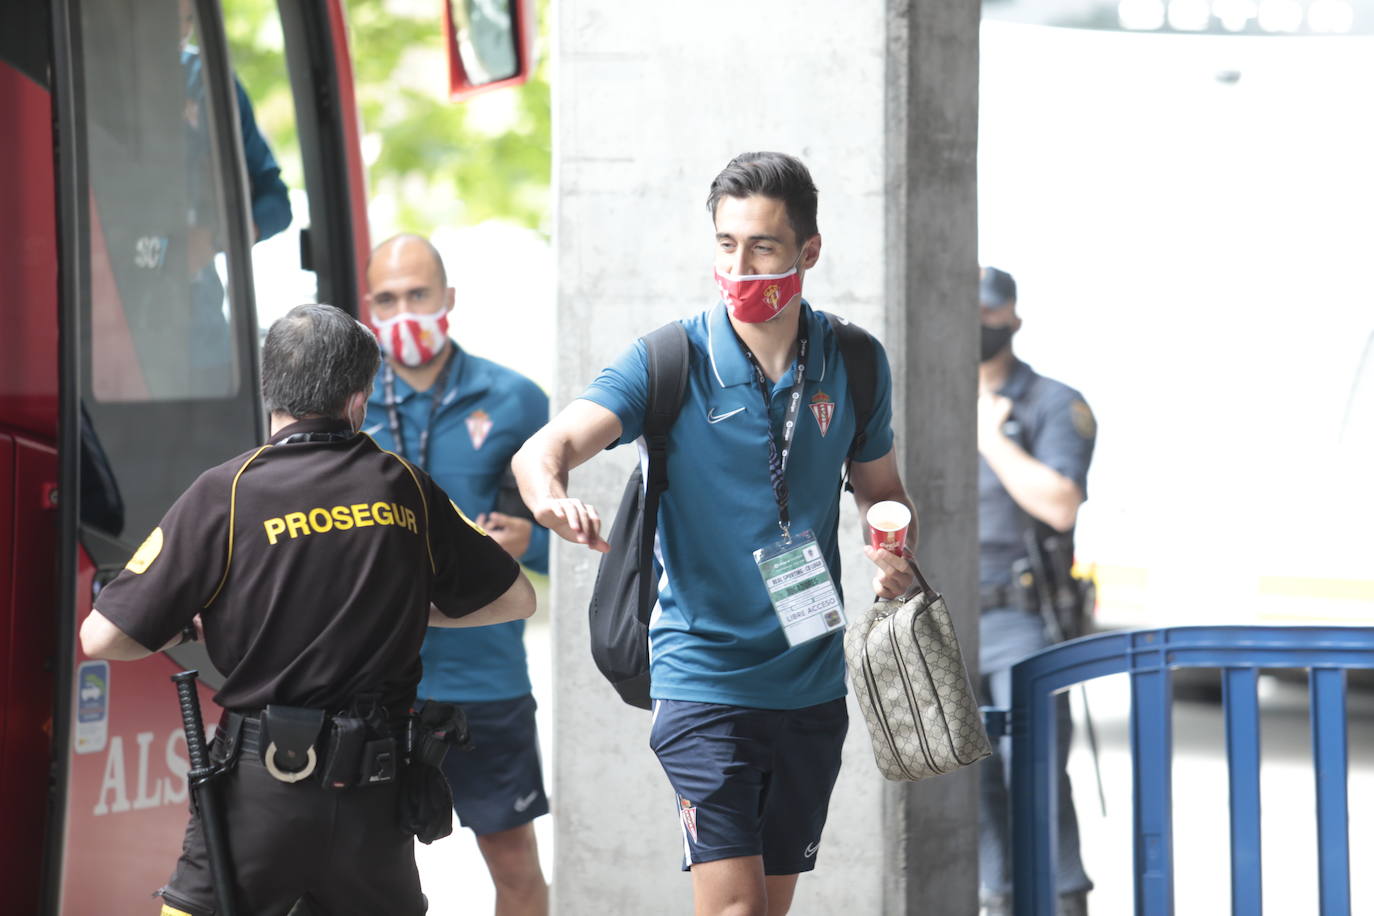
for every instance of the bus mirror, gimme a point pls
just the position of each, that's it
(490, 44)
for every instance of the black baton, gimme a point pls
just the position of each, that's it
(203, 792)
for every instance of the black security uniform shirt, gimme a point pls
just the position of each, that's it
(1053, 423)
(313, 565)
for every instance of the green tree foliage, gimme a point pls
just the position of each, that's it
(440, 162)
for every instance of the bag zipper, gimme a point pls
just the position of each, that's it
(876, 698)
(911, 698)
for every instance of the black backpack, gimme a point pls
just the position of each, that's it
(626, 590)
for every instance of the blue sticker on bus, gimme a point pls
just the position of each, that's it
(93, 692)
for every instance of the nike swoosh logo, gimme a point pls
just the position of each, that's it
(522, 803)
(712, 418)
(811, 850)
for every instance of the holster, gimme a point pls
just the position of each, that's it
(425, 797)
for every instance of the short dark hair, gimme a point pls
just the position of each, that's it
(776, 175)
(315, 358)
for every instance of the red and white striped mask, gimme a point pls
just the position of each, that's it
(410, 339)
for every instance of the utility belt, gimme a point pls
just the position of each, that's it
(355, 748)
(1064, 604)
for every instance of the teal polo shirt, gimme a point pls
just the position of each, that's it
(486, 412)
(714, 637)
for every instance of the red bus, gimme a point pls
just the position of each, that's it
(128, 364)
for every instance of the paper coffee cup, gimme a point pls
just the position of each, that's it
(887, 524)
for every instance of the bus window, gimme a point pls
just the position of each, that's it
(160, 319)
(168, 378)
(272, 156)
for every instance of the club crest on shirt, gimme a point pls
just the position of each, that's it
(479, 425)
(689, 817)
(823, 409)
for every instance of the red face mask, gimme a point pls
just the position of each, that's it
(412, 340)
(759, 297)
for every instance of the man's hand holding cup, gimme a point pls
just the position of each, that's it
(888, 522)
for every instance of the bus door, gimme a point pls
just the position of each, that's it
(159, 372)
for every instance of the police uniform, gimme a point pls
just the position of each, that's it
(1053, 423)
(748, 729)
(313, 561)
(468, 425)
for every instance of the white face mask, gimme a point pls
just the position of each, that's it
(413, 339)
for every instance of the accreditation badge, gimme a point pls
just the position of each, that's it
(800, 587)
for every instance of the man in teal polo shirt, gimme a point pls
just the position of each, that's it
(749, 715)
(461, 418)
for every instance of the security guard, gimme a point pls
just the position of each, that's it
(1035, 440)
(312, 565)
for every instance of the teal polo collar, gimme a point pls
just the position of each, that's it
(731, 367)
(403, 390)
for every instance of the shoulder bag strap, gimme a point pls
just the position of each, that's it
(668, 363)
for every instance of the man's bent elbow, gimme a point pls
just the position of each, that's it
(102, 639)
(523, 602)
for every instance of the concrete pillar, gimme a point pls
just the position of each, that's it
(878, 97)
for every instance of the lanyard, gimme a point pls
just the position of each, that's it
(777, 462)
(393, 416)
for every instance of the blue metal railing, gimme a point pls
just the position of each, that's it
(1148, 656)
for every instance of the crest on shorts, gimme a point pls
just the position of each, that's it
(689, 817)
(823, 409)
(479, 425)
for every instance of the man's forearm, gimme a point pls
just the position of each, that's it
(515, 603)
(1039, 489)
(541, 468)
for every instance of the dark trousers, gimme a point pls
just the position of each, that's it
(1008, 635)
(342, 852)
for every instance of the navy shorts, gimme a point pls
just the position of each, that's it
(498, 784)
(750, 781)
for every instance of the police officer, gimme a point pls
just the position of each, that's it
(461, 418)
(1035, 440)
(312, 565)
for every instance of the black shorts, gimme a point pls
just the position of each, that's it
(750, 781)
(343, 851)
(499, 783)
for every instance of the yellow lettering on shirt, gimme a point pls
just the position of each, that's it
(324, 520)
(296, 523)
(343, 519)
(320, 520)
(274, 526)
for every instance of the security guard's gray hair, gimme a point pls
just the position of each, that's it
(316, 356)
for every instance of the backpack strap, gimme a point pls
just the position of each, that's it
(668, 351)
(859, 351)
